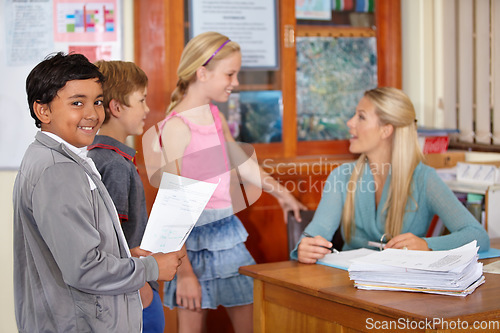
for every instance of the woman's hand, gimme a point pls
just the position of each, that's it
(407, 241)
(311, 249)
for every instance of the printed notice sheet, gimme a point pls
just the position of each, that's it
(178, 205)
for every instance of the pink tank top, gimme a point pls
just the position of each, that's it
(205, 157)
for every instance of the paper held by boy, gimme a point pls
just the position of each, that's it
(178, 205)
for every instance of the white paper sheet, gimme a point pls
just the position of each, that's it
(433, 261)
(493, 267)
(178, 205)
(343, 259)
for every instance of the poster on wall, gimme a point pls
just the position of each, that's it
(31, 30)
(88, 27)
(252, 24)
(314, 9)
(332, 75)
(254, 116)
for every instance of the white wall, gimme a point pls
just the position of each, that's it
(7, 320)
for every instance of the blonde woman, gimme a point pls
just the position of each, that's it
(388, 193)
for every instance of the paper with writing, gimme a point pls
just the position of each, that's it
(178, 205)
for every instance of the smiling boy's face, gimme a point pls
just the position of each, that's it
(76, 113)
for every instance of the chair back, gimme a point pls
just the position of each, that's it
(295, 229)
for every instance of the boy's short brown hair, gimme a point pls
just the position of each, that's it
(121, 79)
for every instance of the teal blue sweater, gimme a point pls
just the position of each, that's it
(430, 196)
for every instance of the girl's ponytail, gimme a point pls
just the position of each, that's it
(177, 94)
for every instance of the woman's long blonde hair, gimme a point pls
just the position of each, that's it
(196, 53)
(393, 107)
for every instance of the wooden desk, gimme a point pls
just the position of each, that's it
(294, 297)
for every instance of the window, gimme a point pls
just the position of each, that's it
(454, 80)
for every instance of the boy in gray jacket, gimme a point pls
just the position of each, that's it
(72, 268)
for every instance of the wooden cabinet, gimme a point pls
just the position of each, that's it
(159, 28)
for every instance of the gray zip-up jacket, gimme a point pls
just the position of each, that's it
(72, 271)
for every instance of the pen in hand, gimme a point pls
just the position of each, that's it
(381, 246)
(334, 250)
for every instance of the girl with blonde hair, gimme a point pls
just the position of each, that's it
(388, 194)
(196, 141)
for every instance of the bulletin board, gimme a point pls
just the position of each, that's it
(31, 30)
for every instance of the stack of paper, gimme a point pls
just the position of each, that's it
(454, 272)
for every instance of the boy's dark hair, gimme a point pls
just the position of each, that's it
(52, 74)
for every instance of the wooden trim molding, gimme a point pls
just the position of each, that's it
(388, 22)
(288, 66)
(326, 31)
